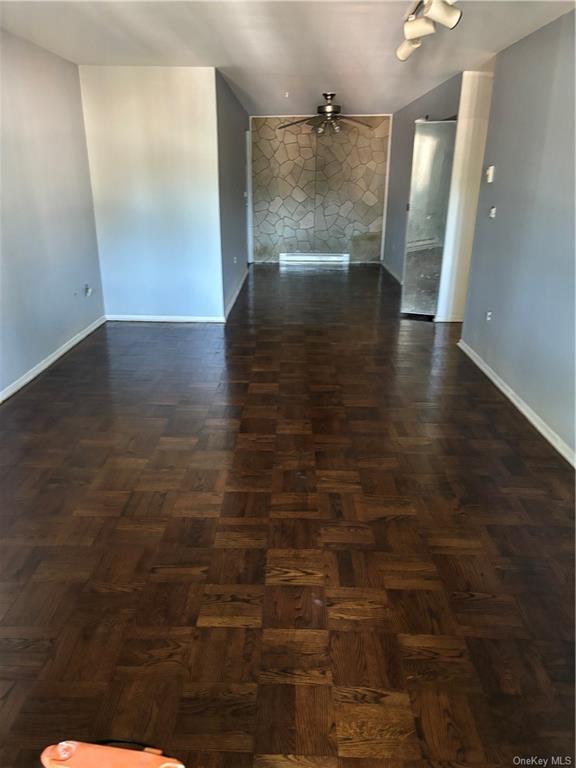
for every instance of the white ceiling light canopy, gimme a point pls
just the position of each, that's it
(407, 48)
(442, 12)
(416, 27)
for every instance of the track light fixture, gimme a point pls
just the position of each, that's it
(407, 48)
(416, 27)
(420, 23)
(442, 12)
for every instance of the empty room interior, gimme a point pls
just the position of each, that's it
(287, 351)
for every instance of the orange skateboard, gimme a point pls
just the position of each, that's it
(77, 754)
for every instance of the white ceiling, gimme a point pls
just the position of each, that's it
(267, 48)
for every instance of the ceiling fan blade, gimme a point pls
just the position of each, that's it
(315, 120)
(355, 120)
(294, 122)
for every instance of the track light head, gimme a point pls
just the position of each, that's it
(442, 12)
(416, 27)
(407, 48)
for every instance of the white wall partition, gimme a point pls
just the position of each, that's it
(471, 129)
(48, 242)
(232, 125)
(153, 149)
(519, 324)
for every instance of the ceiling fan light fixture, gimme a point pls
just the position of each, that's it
(327, 115)
(407, 48)
(416, 27)
(442, 12)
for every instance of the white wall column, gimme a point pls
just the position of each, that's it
(472, 126)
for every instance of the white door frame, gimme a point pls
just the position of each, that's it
(248, 197)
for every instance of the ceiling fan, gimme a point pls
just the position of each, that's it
(328, 117)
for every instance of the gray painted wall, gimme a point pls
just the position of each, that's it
(523, 261)
(152, 144)
(439, 104)
(48, 237)
(233, 122)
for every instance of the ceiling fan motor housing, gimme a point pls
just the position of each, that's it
(329, 110)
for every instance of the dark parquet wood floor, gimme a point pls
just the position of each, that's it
(316, 537)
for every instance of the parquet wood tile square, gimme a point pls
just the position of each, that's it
(51, 710)
(297, 719)
(297, 505)
(64, 564)
(238, 605)
(295, 607)
(241, 533)
(356, 609)
(294, 761)
(169, 604)
(295, 656)
(468, 573)
(447, 726)
(224, 655)
(484, 613)
(422, 612)
(180, 564)
(213, 759)
(440, 661)
(155, 651)
(245, 505)
(143, 704)
(397, 571)
(346, 535)
(512, 667)
(216, 717)
(190, 532)
(375, 723)
(294, 533)
(39, 604)
(237, 566)
(24, 652)
(272, 544)
(368, 657)
(196, 504)
(306, 567)
(84, 654)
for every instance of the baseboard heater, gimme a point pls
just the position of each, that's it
(314, 258)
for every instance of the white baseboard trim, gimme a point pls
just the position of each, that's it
(537, 422)
(314, 258)
(454, 319)
(232, 300)
(165, 319)
(390, 272)
(11, 389)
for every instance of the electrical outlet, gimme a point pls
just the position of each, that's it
(488, 316)
(87, 290)
(492, 212)
(235, 260)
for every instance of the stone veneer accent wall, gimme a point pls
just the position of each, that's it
(318, 193)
